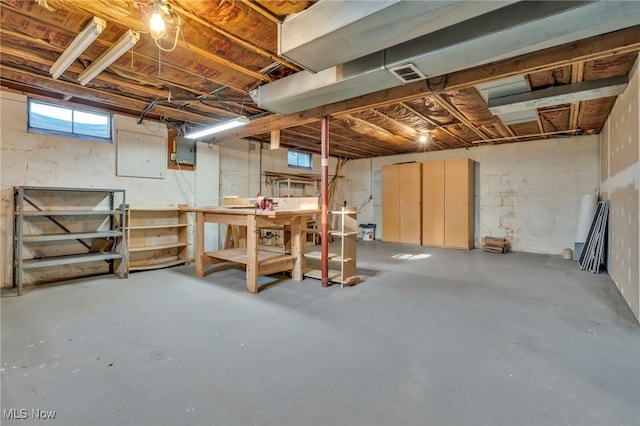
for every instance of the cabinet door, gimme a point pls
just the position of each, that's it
(410, 195)
(390, 204)
(458, 177)
(433, 203)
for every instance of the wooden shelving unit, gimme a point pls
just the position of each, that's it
(58, 227)
(157, 237)
(342, 266)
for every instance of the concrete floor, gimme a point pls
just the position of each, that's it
(430, 336)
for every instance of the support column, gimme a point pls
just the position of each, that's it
(324, 177)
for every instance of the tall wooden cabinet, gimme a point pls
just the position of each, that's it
(447, 203)
(401, 195)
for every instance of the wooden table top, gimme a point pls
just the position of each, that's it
(228, 210)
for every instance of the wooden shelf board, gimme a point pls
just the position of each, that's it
(153, 209)
(157, 247)
(170, 225)
(318, 255)
(344, 234)
(317, 274)
(239, 255)
(157, 265)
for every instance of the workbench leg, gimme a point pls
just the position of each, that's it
(252, 255)
(297, 248)
(199, 248)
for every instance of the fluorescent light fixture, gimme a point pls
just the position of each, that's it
(236, 122)
(77, 46)
(119, 48)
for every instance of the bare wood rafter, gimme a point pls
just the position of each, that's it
(434, 123)
(150, 79)
(262, 11)
(460, 116)
(132, 89)
(98, 96)
(396, 138)
(341, 143)
(374, 143)
(577, 75)
(93, 8)
(244, 43)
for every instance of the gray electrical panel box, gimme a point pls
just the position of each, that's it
(185, 151)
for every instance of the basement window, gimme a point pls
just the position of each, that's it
(72, 122)
(299, 159)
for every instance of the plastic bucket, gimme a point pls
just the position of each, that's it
(368, 231)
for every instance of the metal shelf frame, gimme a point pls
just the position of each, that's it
(28, 208)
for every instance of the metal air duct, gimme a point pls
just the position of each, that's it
(517, 29)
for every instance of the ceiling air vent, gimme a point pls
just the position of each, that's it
(407, 73)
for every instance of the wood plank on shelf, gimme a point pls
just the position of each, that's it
(159, 265)
(318, 255)
(157, 247)
(169, 225)
(344, 234)
(317, 274)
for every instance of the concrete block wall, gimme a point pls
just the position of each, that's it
(620, 184)
(528, 192)
(48, 160)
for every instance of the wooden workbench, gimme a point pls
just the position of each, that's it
(257, 262)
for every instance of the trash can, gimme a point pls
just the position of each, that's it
(368, 231)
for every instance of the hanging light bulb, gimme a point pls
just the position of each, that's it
(156, 24)
(423, 138)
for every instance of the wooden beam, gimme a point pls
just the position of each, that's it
(275, 139)
(589, 49)
(577, 75)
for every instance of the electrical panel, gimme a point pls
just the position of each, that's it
(185, 150)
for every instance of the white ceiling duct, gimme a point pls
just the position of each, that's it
(344, 30)
(517, 29)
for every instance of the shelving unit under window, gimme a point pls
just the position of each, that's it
(64, 233)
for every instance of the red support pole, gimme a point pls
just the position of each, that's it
(324, 183)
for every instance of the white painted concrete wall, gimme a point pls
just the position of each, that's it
(620, 176)
(46, 160)
(528, 192)
(240, 168)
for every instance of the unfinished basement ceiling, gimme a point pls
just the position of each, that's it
(228, 49)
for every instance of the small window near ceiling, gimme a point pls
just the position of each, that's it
(299, 159)
(69, 121)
